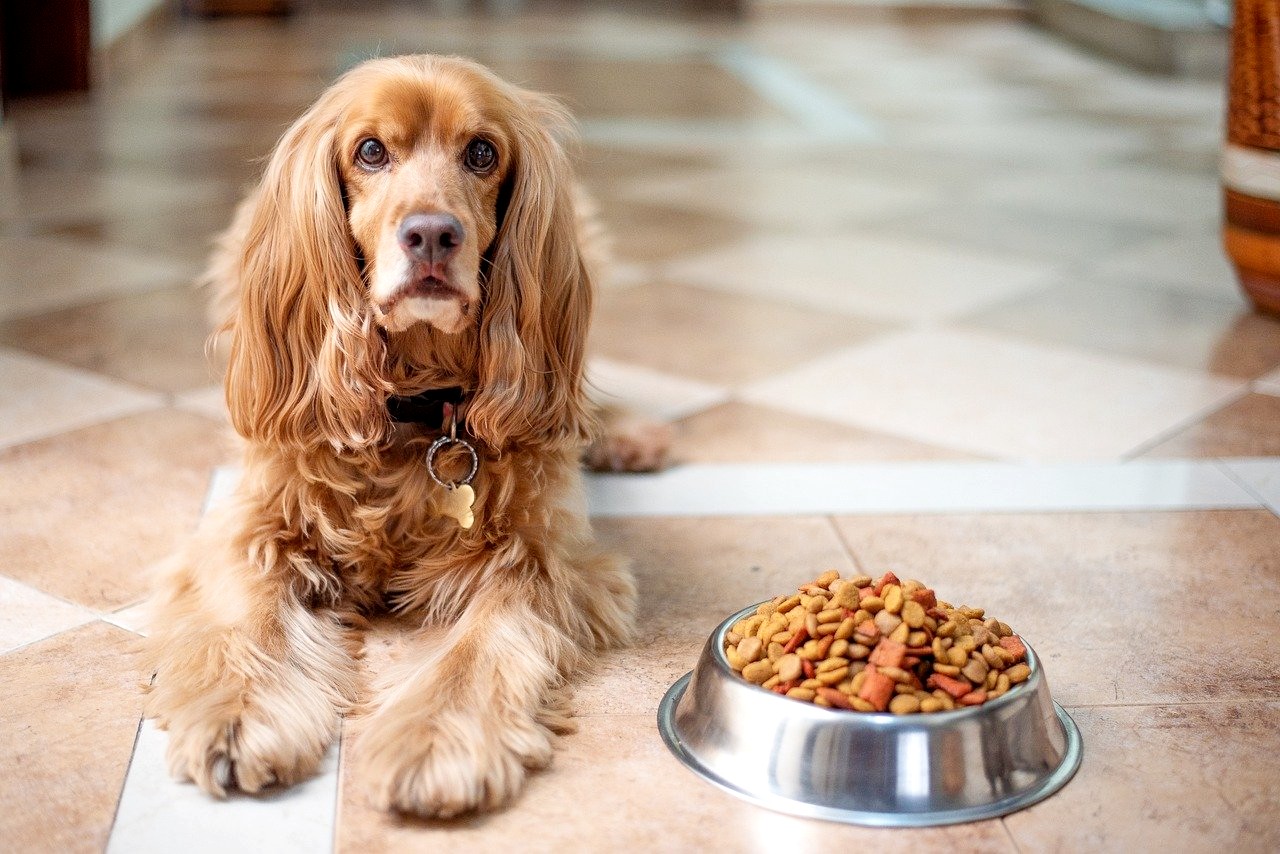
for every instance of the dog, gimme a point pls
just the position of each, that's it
(408, 293)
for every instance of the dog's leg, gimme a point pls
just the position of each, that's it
(249, 680)
(480, 710)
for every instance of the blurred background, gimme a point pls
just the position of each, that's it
(984, 228)
(960, 233)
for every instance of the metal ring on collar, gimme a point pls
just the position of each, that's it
(431, 461)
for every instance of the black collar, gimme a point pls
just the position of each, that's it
(425, 407)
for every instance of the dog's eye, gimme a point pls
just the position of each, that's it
(372, 154)
(480, 156)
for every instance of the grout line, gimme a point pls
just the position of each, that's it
(337, 790)
(115, 813)
(1009, 833)
(1173, 703)
(96, 619)
(1248, 487)
(844, 544)
(809, 104)
(1186, 423)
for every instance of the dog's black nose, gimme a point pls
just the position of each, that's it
(430, 237)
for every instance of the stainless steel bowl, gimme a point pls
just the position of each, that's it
(865, 768)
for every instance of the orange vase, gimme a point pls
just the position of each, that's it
(1251, 161)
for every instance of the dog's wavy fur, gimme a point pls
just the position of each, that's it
(335, 515)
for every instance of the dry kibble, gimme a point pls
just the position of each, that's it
(924, 655)
(789, 667)
(827, 577)
(904, 704)
(749, 649)
(913, 614)
(758, 671)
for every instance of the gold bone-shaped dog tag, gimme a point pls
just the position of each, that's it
(457, 504)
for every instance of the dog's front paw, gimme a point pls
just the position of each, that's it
(243, 752)
(452, 762)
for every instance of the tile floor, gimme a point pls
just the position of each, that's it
(941, 295)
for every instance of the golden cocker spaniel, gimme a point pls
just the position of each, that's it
(413, 247)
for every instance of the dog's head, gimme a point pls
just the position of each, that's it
(421, 198)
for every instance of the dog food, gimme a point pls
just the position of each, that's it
(876, 646)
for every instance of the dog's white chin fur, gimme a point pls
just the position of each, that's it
(444, 313)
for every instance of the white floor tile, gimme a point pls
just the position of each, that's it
(1268, 384)
(28, 615)
(806, 489)
(1024, 140)
(885, 278)
(650, 393)
(158, 814)
(996, 397)
(40, 398)
(1138, 195)
(1192, 262)
(221, 485)
(131, 619)
(1261, 475)
(209, 401)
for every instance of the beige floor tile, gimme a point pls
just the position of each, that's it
(1243, 428)
(39, 398)
(89, 512)
(1219, 336)
(997, 397)
(42, 274)
(71, 710)
(617, 769)
(1197, 778)
(883, 278)
(788, 200)
(692, 573)
(155, 340)
(713, 337)
(742, 433)
(1096, 595)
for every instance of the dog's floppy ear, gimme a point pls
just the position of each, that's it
(537, 304)
(306, 358)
